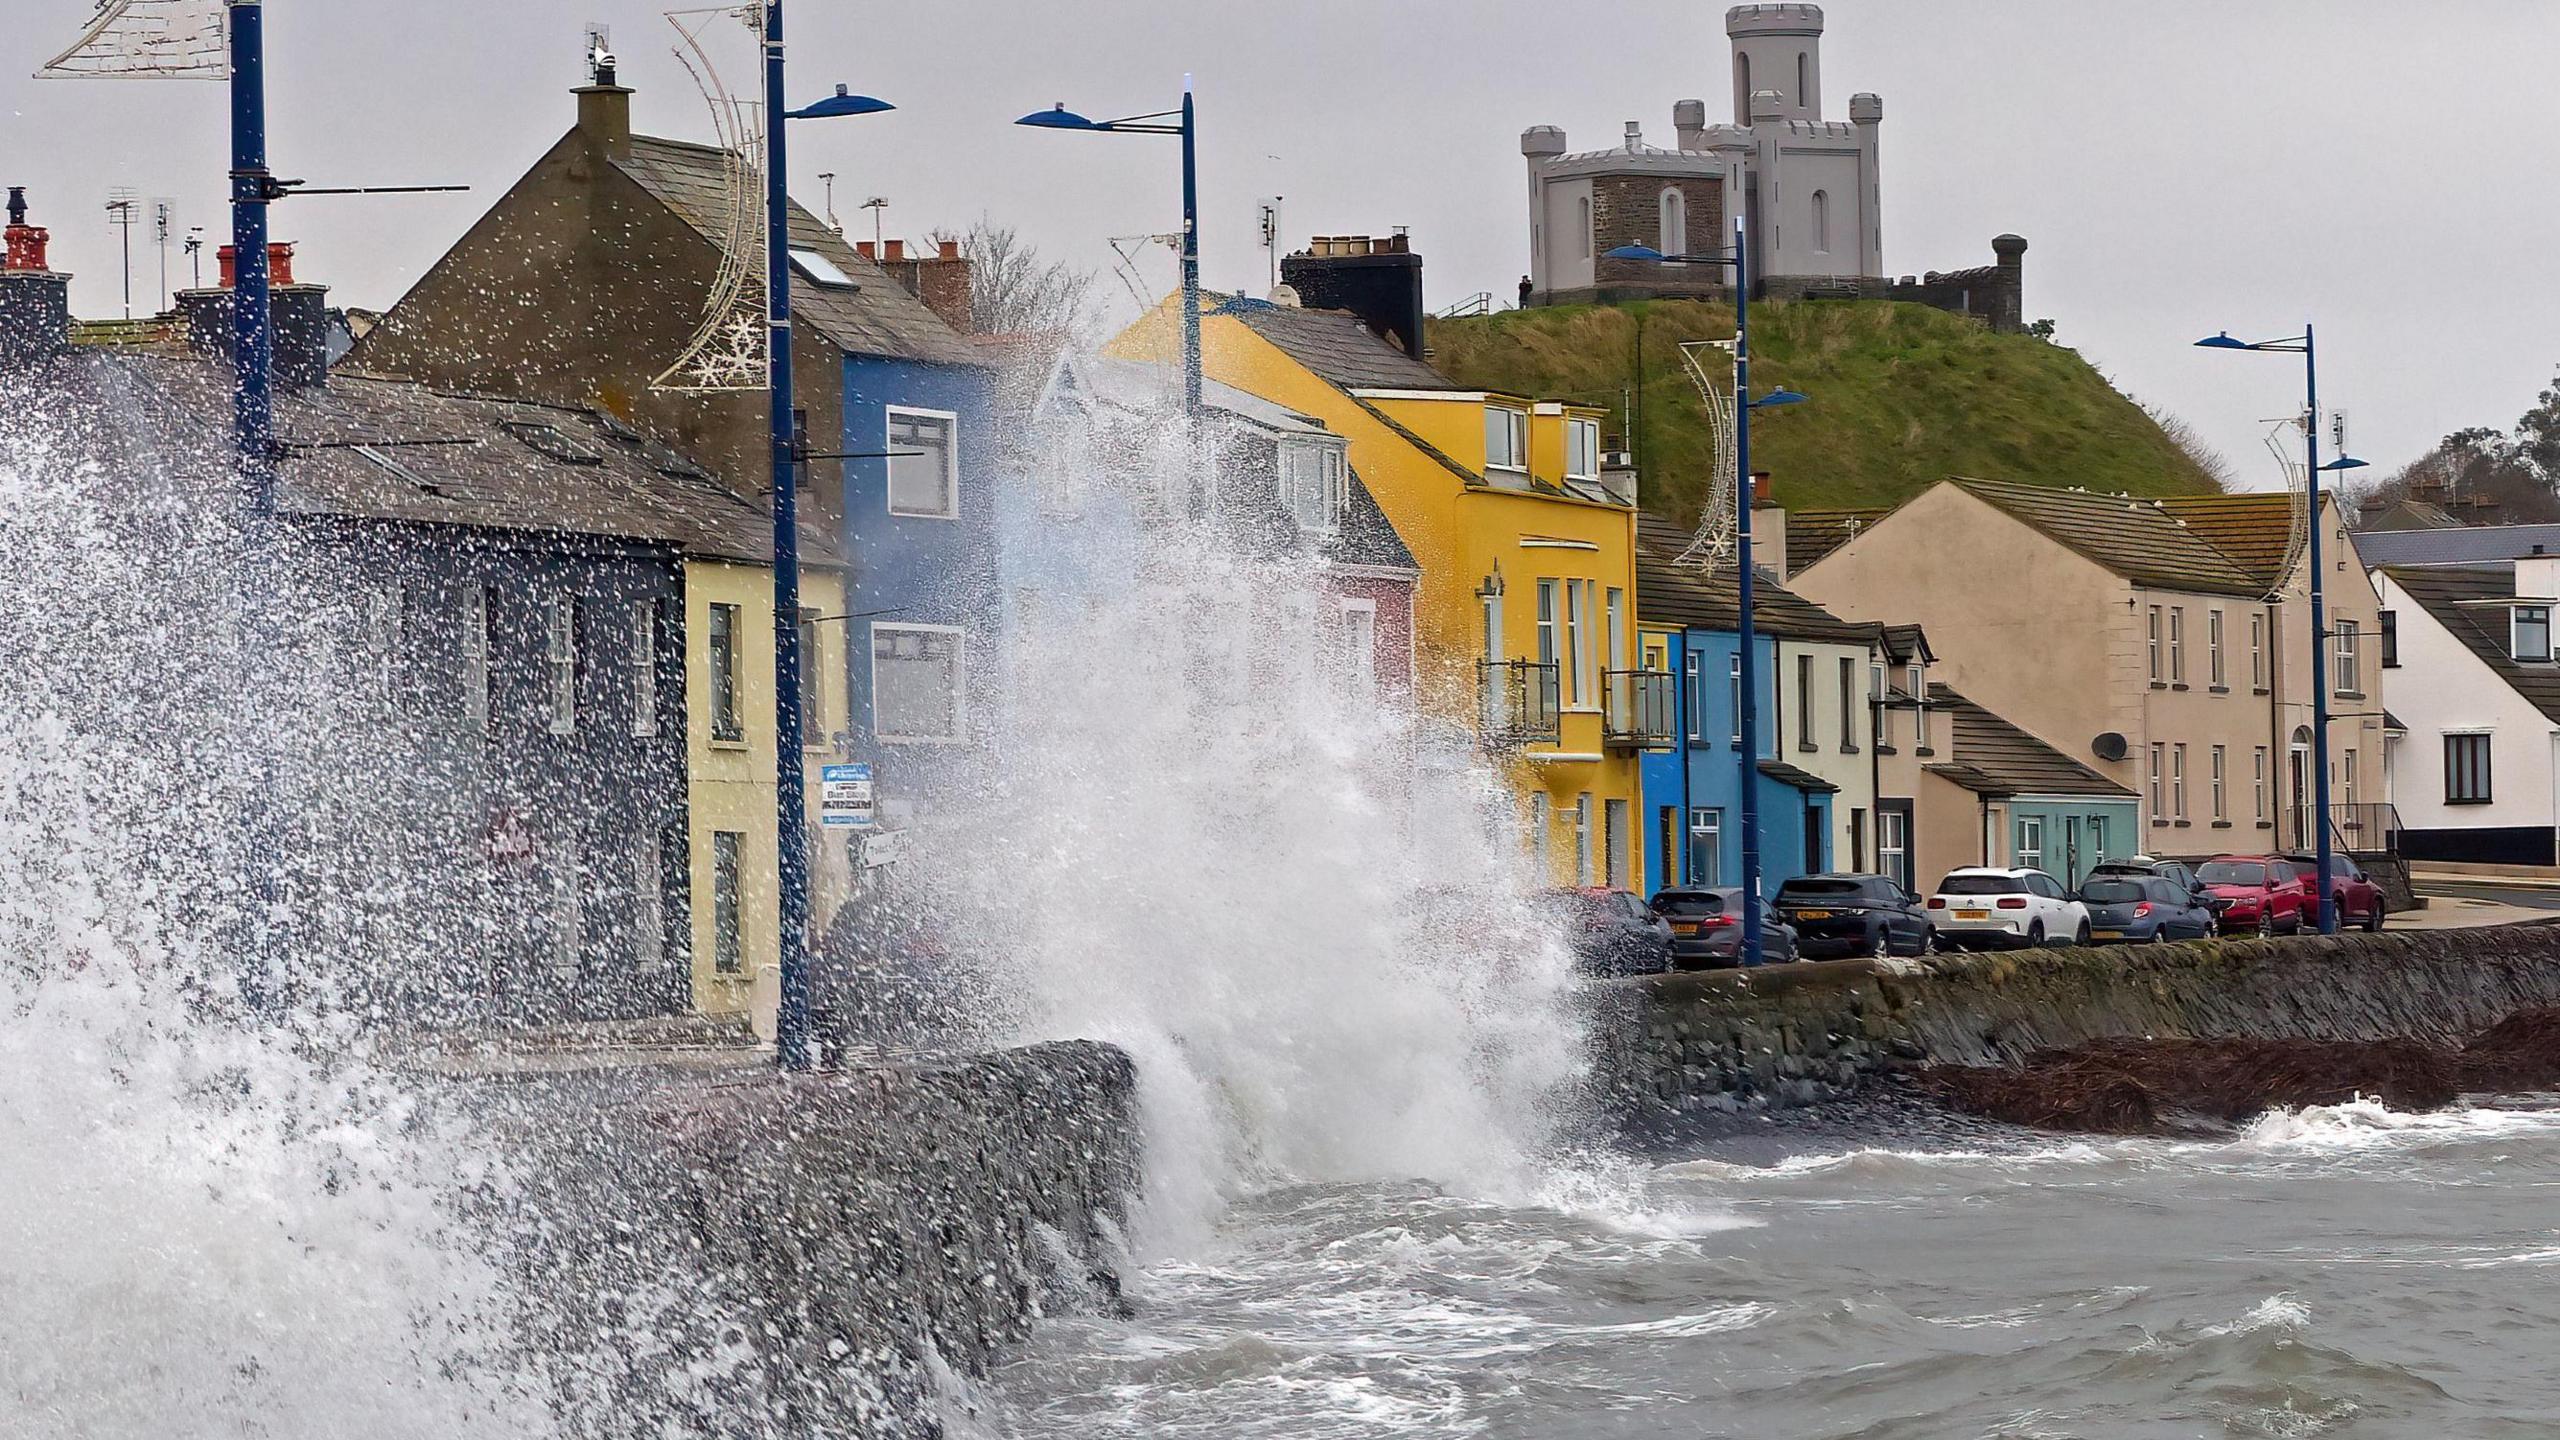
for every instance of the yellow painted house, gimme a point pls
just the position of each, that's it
(731, 732)
(1525, 611)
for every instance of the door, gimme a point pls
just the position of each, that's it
(2071, 854)
(2298, 806)
(1813, 828)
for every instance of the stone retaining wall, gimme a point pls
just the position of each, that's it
(761, 1254)
(1675, 1048)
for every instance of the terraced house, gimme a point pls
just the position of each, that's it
(2163, 644)
(1525, 611)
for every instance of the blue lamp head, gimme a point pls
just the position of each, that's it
(2344, 462)
(1780, 397)
(1633, 252)
(843, 102)
(1057, 117)
(2224, 341)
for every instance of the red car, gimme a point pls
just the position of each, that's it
(2359, 900)
(2260, 894)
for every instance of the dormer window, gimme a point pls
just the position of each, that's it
(1506, 438)
(1582, 449)
(2529, 633)
(1315, 484)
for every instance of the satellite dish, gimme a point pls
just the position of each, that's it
(2109, 746)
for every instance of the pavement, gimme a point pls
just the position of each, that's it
(2463, 902)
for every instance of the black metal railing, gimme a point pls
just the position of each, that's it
(2365, 829)
(1520, 702)
(1640, 711)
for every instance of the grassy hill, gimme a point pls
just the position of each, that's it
(1902, 396)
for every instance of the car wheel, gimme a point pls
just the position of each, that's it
(1928, 941)
(1882, 945)
(2035, 934)
(2082, 938)
(2266, 924)
(2373, 922)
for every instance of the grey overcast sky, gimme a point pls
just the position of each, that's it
(2179, 166)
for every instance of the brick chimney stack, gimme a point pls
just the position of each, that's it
(1378, 278)
(35, 303)
(940, 280)
(300, 317)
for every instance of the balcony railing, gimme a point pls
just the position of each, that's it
(2372, 829)
(1520, 701)
(1641, 712)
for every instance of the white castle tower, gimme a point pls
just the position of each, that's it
(1809, 185)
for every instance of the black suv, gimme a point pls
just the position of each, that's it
(1837, 915)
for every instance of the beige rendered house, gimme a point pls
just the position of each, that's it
(2161, 644)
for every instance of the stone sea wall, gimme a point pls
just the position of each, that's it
(1678, 1048)
(755, 1254)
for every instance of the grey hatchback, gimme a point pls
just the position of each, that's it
(2142, 909)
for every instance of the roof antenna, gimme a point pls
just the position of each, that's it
(600, 63)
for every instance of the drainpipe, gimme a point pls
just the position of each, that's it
(1688, 724)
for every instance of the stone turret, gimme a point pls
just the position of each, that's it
(1779, 48)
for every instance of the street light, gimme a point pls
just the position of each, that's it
(1163, 122)
(2302, 345)
(1749, 719)
(791, 801)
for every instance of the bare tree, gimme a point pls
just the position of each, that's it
(2183, 435)
(1012, 290)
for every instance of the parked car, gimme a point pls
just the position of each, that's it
(1980, 907)
(2143, 909)
(2359, 900)
(1706, 927)
(1837, 915)
(1613, 932)
(2263, 894)
(2176, 872)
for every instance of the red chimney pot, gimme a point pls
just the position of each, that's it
(863, 249)
(27, 248)
(950, 249)
(1759, 487)
(279, 264)
(897, 250)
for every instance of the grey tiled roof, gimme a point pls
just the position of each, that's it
(1335, 345)
(876, 316)
(2443, 591)
(1668, 593)
(1812, 534)
(1367, 536)
(1799, 778)
(2461, 545)
(517, 466)
(1993, 757)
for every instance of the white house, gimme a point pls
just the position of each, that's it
(2469, 679)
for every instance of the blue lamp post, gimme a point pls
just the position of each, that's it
(791, 801)
(1748, 721)
(2303, 345)
(1163, 122)
(253, 188)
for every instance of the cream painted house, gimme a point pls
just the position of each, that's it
(2158, 643)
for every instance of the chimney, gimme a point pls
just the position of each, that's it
(1760, 489)
(1768, 527)
(604, 109)
(897, 251)
(299, 314)
(2538, 576)
(1379, 280)
(35, 303)
(942, 283)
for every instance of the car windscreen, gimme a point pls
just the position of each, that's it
(1689, 904)
(2232, 872)
(2114, 892)
(1822, 890)
(1981, 885)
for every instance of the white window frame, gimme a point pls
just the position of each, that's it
(1581, 656)
(1880, 698)
(959, 684)
(1893, 844)
(2029, 853)
(724, 678)
(2261, 770)
(2221, 784)
(734, 895)
(2515, 634)
(2213, 642)
(1735, 666)
(1361, 660)
(1706, 833)
(475, 656)
(1514, 427)
(560, 663)
(1693, 666)
(890, 415)
(1617, 842)
(2178, 779)
(2157, 673)
(2347, 637)
(2159, 762)
(1919, 706)
(644, 667)
(2177, 644)
(1550, 626)
(1581, 449)
(2258, 650)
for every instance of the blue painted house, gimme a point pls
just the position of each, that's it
(1810, 820)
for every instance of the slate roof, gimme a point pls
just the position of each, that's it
(2442, 590)
(2254, 529)
(1668, 593)
(2462, 545)
(1993, 757)
(875, 316)
(521, 466)
(1335, 345)
(1366, 536)
(2136, 538)
(1812, 534)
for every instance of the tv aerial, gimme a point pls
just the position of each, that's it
(149, 39)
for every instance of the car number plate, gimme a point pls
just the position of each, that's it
(1684, 927)
(1813, 914)
(2106, 934)
(1973, 914)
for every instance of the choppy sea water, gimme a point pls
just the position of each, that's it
(2337, 1272)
